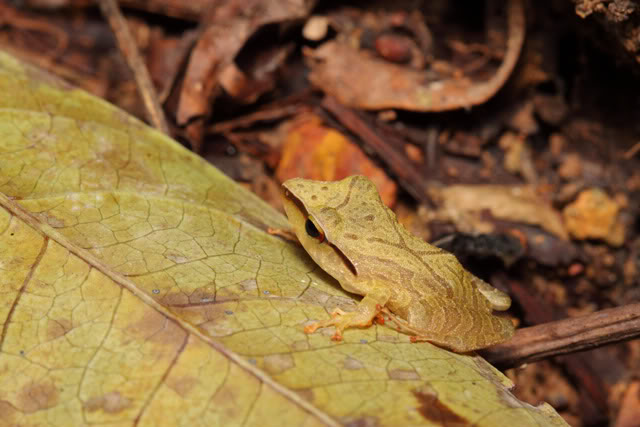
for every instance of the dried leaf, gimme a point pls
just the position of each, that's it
(230, 24)
(363, 81)
(464, 204)
(594, 215)
(314, 151)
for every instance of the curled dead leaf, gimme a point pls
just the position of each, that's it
(463, 205)
(360, 80)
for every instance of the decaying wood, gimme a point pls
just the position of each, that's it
(567, 336)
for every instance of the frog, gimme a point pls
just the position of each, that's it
(354, 237)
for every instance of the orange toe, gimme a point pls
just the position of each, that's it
(309, 329)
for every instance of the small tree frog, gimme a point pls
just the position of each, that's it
(353, 236)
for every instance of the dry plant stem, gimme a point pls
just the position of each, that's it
(284, 107)
(632, 151)
(189, 10)
(566, 336)
(584, 369)
(127, 44)
(412, 180)
(249, 119)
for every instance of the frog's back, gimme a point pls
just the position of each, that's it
(448, 276)
(371, 231)
(455, 308)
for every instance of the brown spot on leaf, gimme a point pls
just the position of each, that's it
(300, 345)
(314, 197)
(109, 155)
(176, 257)
(37, 396)
(182, 385)
(353, 364)
(218, 319)
(156, 328)
(249, 285)
(7, 412)
(278, 363)
(110, 403)
(403, 374)
(434, 410)
(219, 312)
(370, 217)
(231, 293)
(175, 299)
(50, 219)
(57, 328)
(202, 296)
(366, 421)
(350, 236)
(325, 188)
(306, 394)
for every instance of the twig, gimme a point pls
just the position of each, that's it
(287, 106)
(410, 177)
(127, 44)
(566, 336)
(632, 151)
(584, 369)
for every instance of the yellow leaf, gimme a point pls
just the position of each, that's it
(138, 286)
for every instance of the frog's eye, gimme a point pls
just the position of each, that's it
(313, 231)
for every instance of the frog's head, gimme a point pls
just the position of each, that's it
(332, 218)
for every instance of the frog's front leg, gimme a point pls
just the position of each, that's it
(284, 233)
(362, 316)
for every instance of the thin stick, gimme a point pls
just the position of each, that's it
(410, 176)
(632, 151)
(566, 336)
(129, 49)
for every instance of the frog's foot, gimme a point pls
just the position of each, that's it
(343, 320)
(283, 233)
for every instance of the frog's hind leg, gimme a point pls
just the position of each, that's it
(366, 311)
(457, 328)
(417, 335)
(403, 326)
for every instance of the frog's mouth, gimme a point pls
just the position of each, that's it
(313, 238)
